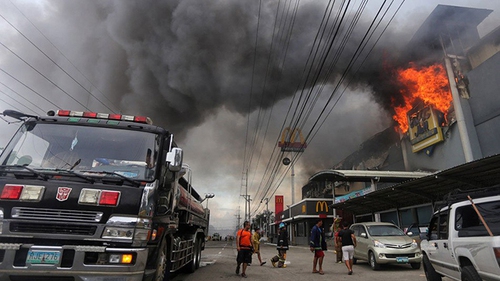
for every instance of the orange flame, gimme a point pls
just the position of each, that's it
(427, 84)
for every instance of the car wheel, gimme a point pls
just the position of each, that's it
(415, 265)
(373, 262)
(469, 273)
(430, 273)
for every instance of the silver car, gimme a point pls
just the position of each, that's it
(383, 243)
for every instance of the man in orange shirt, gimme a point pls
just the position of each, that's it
(244, 247)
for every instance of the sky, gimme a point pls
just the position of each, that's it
(226, 77)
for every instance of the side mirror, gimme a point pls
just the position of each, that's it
(174, 158)
(409, 233)
(363, 235)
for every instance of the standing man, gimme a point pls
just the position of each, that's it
(256, 244)
(348, 243)
(338, 246)
(244, 247)
(318, 244)
(282, 247)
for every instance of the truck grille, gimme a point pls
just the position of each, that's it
(56, 214)
(50, 228)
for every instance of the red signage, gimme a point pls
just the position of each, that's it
(278, 206)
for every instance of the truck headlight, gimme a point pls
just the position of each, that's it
(118, 233)
(127, 228)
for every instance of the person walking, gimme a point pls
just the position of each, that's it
(244, 247)
(256, 244)
(318, 245)
(348, 243)
(282, 247)
(338, 247)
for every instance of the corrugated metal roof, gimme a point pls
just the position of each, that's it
(432, 188)
(366, 175)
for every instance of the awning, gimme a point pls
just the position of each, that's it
(366, 176)
(429, 189)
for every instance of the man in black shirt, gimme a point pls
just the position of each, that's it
(348, 239)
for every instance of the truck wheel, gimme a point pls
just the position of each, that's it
(415, 265)
(195, 262)
(469, 273)
(373, 262)
(162, 262)
(198, 253)
(430, 273)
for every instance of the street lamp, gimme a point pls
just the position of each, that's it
(207, 196)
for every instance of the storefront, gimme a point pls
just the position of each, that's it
(301, 217)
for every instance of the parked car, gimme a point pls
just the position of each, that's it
(385, 243)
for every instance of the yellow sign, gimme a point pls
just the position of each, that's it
(320, 205)
(288, 143)
(304, 209)
(425, 128)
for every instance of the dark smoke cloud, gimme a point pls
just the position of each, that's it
(180, 61)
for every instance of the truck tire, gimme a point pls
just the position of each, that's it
(195, 262)
(469, 273)
(198, 253)
(162, 262)
(373, 261)
(430, 273)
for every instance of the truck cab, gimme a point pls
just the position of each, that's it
(85, 196)
(463, 240)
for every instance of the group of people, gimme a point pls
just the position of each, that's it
(248, 244)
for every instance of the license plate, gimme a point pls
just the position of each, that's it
(43, 257)
(402, 260)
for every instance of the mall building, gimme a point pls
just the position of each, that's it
(399, 174)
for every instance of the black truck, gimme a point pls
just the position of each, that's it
(94, 196)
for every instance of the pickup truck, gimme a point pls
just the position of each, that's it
(463, 239)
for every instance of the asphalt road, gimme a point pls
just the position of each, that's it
(219, 262)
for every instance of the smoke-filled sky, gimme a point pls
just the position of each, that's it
(223, 76)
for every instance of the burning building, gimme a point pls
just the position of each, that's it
(445, 105)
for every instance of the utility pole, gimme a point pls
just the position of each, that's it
(247, 206)
(238, 218)
(266, 225)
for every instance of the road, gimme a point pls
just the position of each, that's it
(219, 262)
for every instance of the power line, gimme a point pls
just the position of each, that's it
(20, 82)
(55, 63)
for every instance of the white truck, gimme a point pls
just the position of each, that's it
(463, 239)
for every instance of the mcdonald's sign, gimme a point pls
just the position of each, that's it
(321, 206)
(288, 143)
(278, 204)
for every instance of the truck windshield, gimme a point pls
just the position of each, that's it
(83, 148)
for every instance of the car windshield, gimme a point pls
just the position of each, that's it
(384, 230)
(83, 148)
